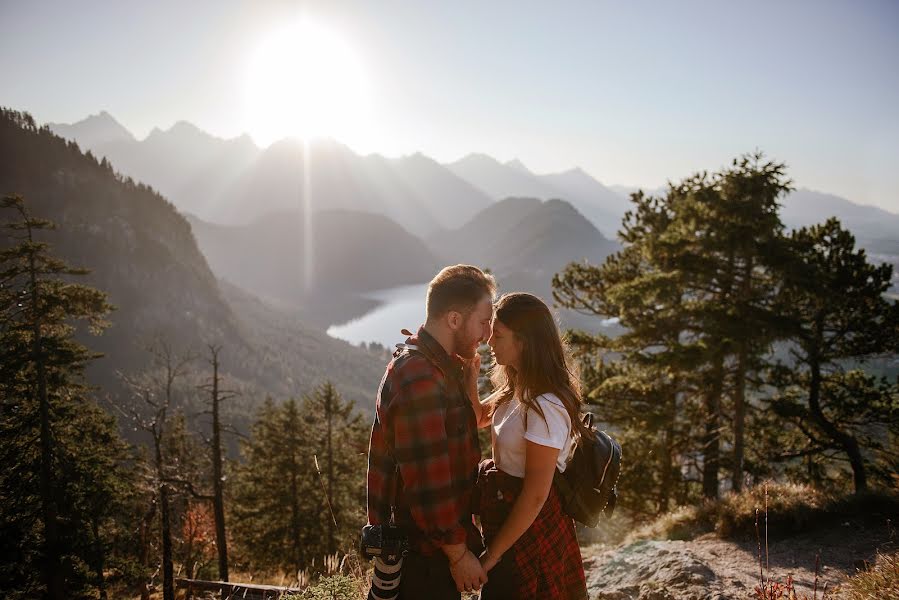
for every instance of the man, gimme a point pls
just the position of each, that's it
(424, 451)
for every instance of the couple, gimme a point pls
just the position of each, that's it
(423, 464)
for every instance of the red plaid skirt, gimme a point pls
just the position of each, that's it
(546, 560)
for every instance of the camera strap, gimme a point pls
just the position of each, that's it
(394, 491)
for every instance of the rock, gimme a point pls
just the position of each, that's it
(651, 570)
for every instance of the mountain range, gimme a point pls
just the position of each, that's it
(217, 250)
(235, 182)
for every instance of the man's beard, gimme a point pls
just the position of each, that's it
(464, 346)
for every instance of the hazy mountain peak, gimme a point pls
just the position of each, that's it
(181, 130)
(104, 118)
(186, 127)
(419, 157)
(576, 172)
(477, 158)
(519, 166)
(93, 130)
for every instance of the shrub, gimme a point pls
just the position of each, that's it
(334, 587)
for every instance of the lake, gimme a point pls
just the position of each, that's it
(404, 306)
(401, 307)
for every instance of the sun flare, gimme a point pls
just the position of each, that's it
(305, 81)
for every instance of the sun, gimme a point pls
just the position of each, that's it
(305, 81)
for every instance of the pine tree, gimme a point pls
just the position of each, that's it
(287, 512)
(644, 392)
(63, 478)
(730, 246)
(272, 490)
(338, 439)
(834, 302)
(692, 289)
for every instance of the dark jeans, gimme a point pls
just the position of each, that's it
(427, 578)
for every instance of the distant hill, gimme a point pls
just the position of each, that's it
(500, 180)
(602, 206)
(868, 223)
(525, 241)
(352, 252)
(143, 254)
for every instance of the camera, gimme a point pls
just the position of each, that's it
(387, 542)
(386, 545)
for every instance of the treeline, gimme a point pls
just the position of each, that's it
(84, 514)
(747, 349)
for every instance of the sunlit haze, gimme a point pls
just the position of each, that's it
(634, 93)
(305, 81)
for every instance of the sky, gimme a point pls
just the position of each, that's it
(635, 93)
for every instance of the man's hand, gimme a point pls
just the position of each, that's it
(471, 373)
(468, 573)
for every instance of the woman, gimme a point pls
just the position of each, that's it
(534, 415)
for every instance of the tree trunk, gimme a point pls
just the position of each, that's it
(168, 569)
(740, 380)
(739, 416)
(99, 559)
(329, 415)
(846, 441)
(144, 540)
(295, 513)
(218, 500)
(712, 437)
(667, 453)
(52, 563)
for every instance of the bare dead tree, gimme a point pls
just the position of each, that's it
(217, 395)
(154, 394)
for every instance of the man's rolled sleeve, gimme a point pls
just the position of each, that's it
(422, 452)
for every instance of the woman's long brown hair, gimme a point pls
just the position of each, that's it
(545, 365)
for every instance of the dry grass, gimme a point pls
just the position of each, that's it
(879, 581)
(791, 509)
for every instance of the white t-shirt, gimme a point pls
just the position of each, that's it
(509, 434)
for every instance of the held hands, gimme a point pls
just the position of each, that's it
(468, 573)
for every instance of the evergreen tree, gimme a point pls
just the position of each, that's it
(639, 382)
(287, 512)
(693, 289)
(833, 299)
(728, 242)
(272, 492)
(62, 483)
(339, 441)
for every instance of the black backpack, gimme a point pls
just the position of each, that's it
(588, 487)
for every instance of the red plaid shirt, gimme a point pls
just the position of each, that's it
(425, 424)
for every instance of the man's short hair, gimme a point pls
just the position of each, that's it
(458, 288)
